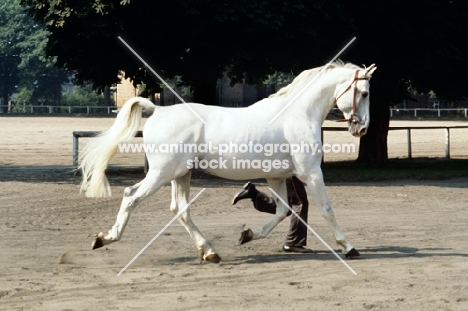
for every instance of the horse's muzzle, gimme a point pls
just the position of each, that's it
(357, 129)
(363, 131)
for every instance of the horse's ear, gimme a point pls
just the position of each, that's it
(370, 70)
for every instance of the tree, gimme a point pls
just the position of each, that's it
(83, 95)
(38, 73)
(415, 42)
(196, 40)
(11, 17)
(23, 63)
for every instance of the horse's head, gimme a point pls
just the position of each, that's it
(352, 98)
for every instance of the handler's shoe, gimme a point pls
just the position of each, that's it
(297, 249)
(249, 192)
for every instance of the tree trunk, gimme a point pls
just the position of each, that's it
(4, 102)
(58, 92)
(373, 146)
(107, 96)
(162, 98)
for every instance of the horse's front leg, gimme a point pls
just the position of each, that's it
(316, 187)
(279, 186)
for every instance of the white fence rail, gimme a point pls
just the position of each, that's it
(60, 109)
(79, 134)
(414, 111)
(109, 109)
(408, 134)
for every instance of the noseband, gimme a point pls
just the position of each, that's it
(354, 117)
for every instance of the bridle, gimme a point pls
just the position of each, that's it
(354, 117)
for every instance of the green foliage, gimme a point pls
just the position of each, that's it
(83, 95)
(417, 41)
(11, 19)
(23, 61)
(194, 39)
(409, 40)
(178, 82)
(24, 96)
(279, 78)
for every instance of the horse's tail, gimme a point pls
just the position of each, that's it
(101, 149)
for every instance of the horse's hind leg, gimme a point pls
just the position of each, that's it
(180, 199)
(132, 196)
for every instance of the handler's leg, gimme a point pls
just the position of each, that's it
(297, 234)
(261, 201)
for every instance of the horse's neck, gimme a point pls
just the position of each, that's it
(311, 101)
(321, 99)
(318, 110)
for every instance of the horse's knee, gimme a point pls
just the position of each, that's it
(129, 191)
(129, 201)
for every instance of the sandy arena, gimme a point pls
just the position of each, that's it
(412, 236)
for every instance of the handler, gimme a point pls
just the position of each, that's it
(296, 240)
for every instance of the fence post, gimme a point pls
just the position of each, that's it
(146, 164)
(409, 142)
(438, 112)
(321, 138)
(75, 150)
(415, 113)
(447, 143)
(87, 109)
(32, 109)
(391, 112)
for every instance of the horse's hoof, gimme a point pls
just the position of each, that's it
(214, 258)
(353, 253)
(98, 242)
(201, 255)
(246, 236)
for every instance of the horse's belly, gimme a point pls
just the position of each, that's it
(244, 166)
(243, 171)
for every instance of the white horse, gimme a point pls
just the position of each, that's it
(234, 134)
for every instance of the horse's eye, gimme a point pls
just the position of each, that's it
(365, 94)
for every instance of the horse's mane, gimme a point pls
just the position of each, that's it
(307, 74)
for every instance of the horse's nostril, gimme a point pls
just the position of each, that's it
(363, 131)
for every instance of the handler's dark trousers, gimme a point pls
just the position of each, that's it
(297, 200)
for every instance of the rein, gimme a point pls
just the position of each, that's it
(354, 117)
